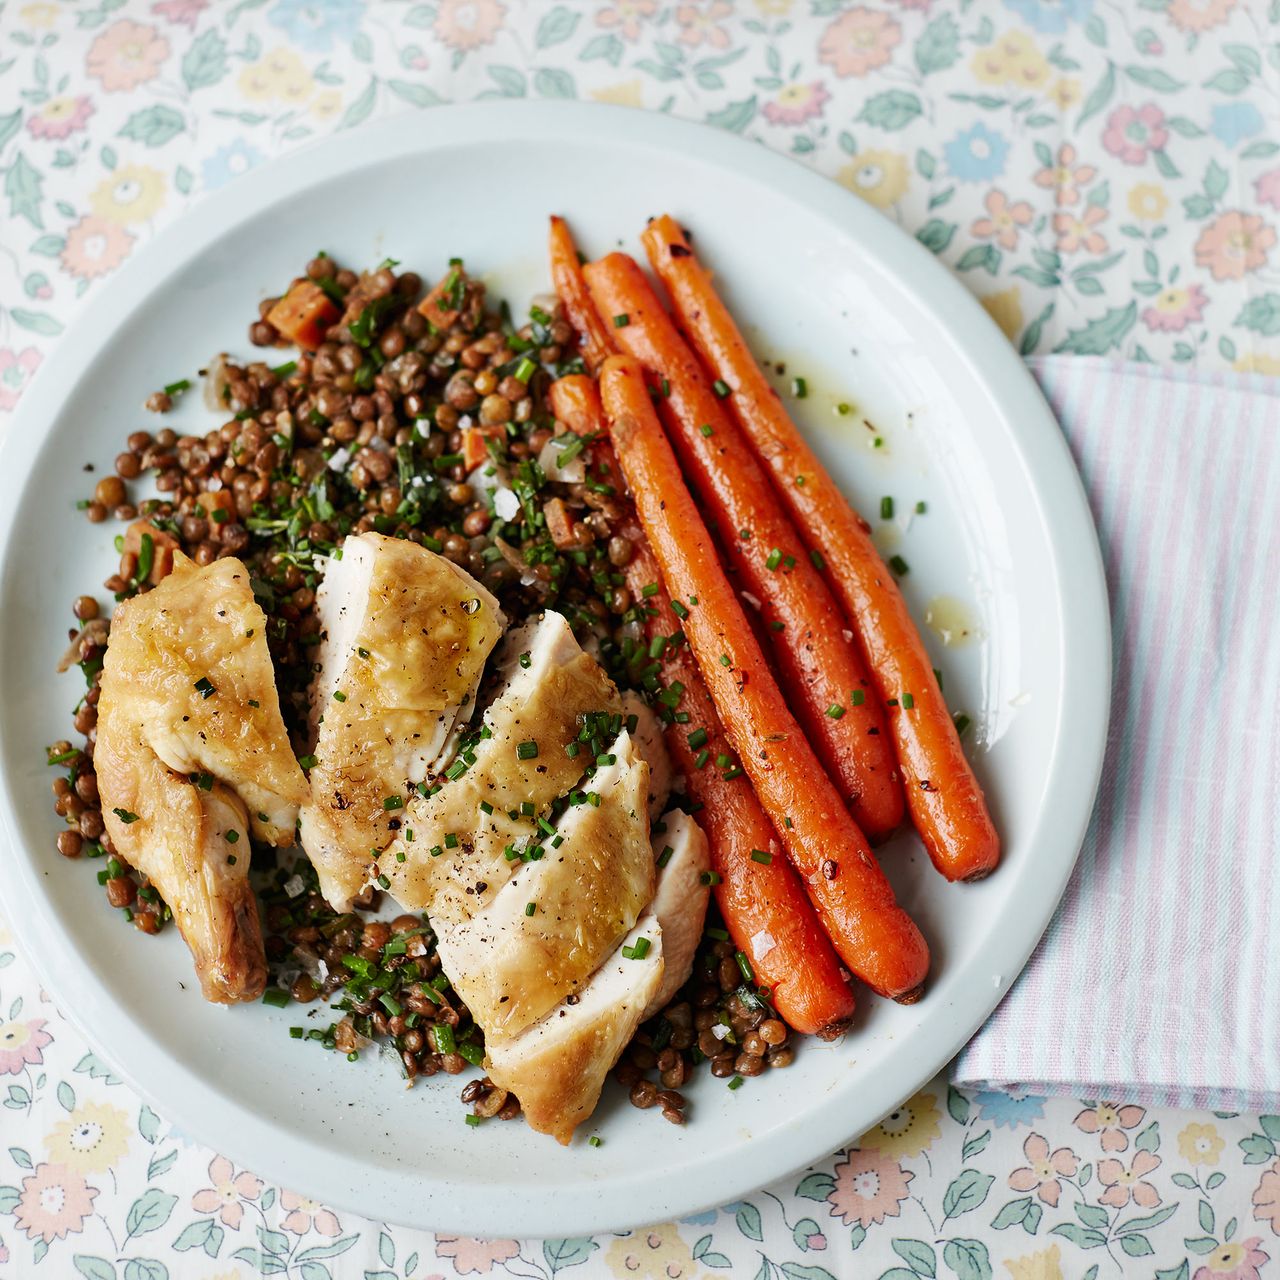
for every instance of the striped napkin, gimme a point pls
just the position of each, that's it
(1159, 978)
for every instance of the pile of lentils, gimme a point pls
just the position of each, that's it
(365, 433)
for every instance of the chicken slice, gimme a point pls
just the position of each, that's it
(557, 1067)
(548, 686)
(192, 756)
(680, 899)
(556, 919)
(405, 640)
(649, 742)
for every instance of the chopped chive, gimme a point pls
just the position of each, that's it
(776, 625)
(205, 689)
(384, 882)
(276, 998)
(284, 370)
(442, 1034)
(594, 1140)
(524, 370)
(707, 429)
(908, 702)
(530, 908)
(835, 711)
(720, 387)
(736, 1082)
(774, 560)
(571, 749)
(899, 566)
(436, 850)
(177, 388)
(638, 950)
(723, 760)
(720, 935)
(762, 856)
(818, 562)
(844, 409)
(886, 508)
(649, 589)
(527, 751)
(485, 807)
(621, 321)
(725, 660)
(392, 802)
(709, 877)
(744, 965)
(962, 723)
(678, 608)
(231, 836)
(730, 774)
(698, 738)
(701, 758)
(921, 507)
(125, 816)
(451, 841)
(891, 702)
(307, 762)
(525, 660)
(857, 697)
(339, 696)
(799, 388)
(665, 856)
(473, 1120)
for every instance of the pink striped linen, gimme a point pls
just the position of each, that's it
(1159, 977)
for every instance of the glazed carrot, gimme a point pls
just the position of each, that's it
(443, 305)
(304, 314)
(758, 892)
(817, 658)
(566, 278)
(875, 938)
(943, 796)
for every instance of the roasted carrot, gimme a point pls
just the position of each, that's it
(943, 796)
(304, 314)
(872, 934)
(443, 305)
(566, 278)
(140, 536)
(758, 892)
(817, 658)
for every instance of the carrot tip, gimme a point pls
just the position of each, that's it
(910, 997)
(833, 1030)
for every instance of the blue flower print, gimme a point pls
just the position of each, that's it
(1009, 1109)
(977, 154)
(1050, 16)
(1233, 122)
(230, 162)
(315, 25)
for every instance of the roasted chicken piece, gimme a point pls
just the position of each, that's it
(646, 731)
(680, 899)
(564, 910)
(405, 640)
(521, 762)
(558, 1066)
(192, 756)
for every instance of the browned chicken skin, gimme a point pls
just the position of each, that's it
(192, 756)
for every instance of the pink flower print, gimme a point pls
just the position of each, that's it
(1267, 188)
(1004, 221)
(626, 17)
(16, 369)
(229, 1192)
(54, 1203)
(869, 1187)
(1076, 233)
(21, 1043)
(859, 41)
(475, 1255)
(1234, 244)
(1043, 1170)
(796, 103)
(304, 1214)
(1238, 1261)
(1121, 1183)
(182, 12)
(126, 55)
(1065, 178)
(1132, 135)
(1174, 309)
(1110, 1121)
(703, 23)
(1195, 16)
(59, 118)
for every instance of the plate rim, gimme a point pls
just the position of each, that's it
(1038, 438)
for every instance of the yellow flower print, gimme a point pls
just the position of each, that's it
(1012, 59)
(1064, 92)
(1005, 308)
(629, 93)
(129, 195)
(906, 1132)
(326, 104)
(879, 177)
(652, 1253)
(1200, 1143)
(1257, 362)
(1045, 1265)
(1147, 202)
(39, 15)
(91, 1139)
(774, 8)
(279, 76)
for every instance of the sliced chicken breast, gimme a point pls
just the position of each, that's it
(455, 861)
(559, 915)
(557, 1067)
(653, 749)
(680, 900)
(192, 756)
(406, 636)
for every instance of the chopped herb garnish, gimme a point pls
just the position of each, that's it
(177, 388)
(276, 998)
(527, 750)
(857, 697)
(720, 387)
(799, 388)
(665, 856)
(886, 508)
(621, 322)
(762, 856)
(835, 711)
(231, 835)
(908, 702)
(339, 696)
(736, 1082)
(392, 802)
(125, 816)
(709, 877)
(638, 950)
(530, 908)
(899, 566)
(962, 723)
(204, 688)
(774, 560)
(707, 429)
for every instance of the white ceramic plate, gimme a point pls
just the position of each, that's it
(848, 301)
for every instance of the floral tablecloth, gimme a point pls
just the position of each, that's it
(1104, 174)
